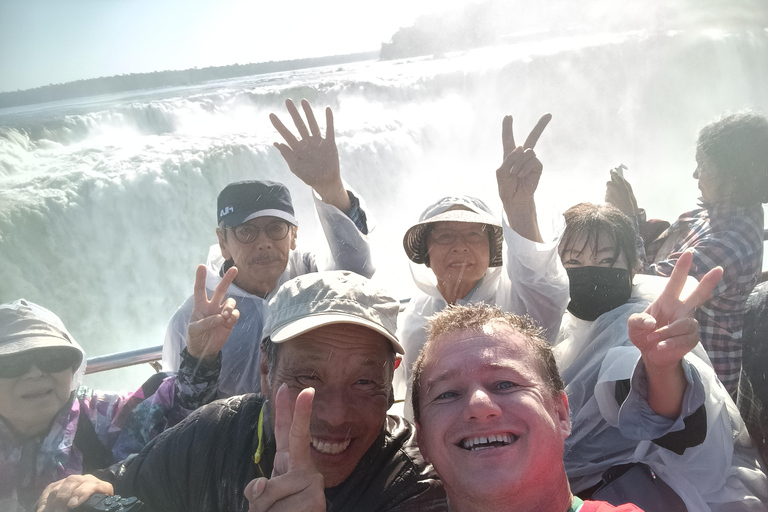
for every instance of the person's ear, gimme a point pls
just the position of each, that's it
(223, 244)
(563, 414)
(264, 372)
(295, 232)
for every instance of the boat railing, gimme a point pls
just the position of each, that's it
(150, 355)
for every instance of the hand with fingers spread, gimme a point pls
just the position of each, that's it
(70, 492)
(666, 331)
(212, 320)
(518, 178)
(618, 192)
(295, 484)
(314, 159)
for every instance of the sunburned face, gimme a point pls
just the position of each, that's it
(29, 403)
(459, 256)
(488, 421)
(583, 252)
(350, 368)
(259, 263)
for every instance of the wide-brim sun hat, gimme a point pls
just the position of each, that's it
(318, 299)
(454, 209)
(26, 326)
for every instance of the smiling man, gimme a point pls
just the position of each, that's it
(492, 416)
(333, 332)
(257, 232)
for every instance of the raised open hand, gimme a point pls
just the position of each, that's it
(666, 330)
(211, 320)
(295, 484)
(518, 176)
(618, 192)
(314, 159)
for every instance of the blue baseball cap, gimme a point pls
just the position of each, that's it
(242, 201)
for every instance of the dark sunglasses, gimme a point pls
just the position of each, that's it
(46, 360)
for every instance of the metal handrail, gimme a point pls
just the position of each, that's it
(98, 364)
(117, 360)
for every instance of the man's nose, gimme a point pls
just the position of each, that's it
(696, 173)
(481, 406)
(262, 239)
(331, 406)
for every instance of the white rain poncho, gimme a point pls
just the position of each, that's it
(349, 250)
(531, 281)
(721, 474)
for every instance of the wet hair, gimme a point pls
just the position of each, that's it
(474, 317)
(600, 220)
(736, 144)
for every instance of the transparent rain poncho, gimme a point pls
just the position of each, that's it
(721, 474)
(531, 281)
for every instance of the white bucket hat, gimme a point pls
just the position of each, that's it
(454, 209)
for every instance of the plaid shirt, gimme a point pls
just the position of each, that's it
(731, 237)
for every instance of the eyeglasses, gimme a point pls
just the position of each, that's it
(449, 236)
(46, 360)
(248, 233)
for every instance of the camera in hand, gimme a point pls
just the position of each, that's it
(104, 503)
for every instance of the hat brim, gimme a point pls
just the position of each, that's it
(234, 221)
(415, 244)
(34, 343)
(311, 322)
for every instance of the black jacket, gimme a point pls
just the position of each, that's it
(205, 462)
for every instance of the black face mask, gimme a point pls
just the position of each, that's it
(597, 290)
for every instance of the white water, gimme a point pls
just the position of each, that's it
(108, 204)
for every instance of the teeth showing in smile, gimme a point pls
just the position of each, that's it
(492, 441)
(330, 448)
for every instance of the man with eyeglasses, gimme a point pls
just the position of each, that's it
(458, 257)
(257, 234)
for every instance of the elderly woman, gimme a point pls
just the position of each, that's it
(51, 428)
(726, 231)
(634, 398)
(458, 256)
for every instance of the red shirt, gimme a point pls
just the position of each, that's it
(601, 506)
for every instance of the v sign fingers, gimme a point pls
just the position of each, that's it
(299, 439)
(292, 437)
(704, 289)
(507, 136)
(535, 134)
(211, 321)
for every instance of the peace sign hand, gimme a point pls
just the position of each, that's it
(295, 484)
(666, 330)
(518, 176)
(312, 158)
(211, 320)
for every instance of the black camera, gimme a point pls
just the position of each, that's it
(104, 503)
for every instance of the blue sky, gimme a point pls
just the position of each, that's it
(53, 41)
